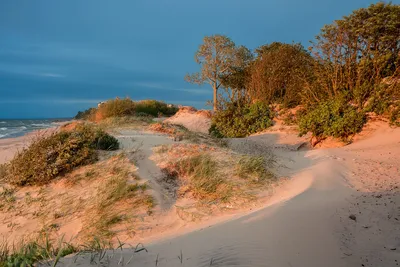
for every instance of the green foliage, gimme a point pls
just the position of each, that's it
(86, 114)
(334, 118)
(116, 108)
(57, 154)
(126, 107)
(154, 108)
(214, 132)
(361, 50)
(241, 121)
(30, 253)
(280, 73)
(395, 116)
(202, 172)
(106, 141)
(218, 58)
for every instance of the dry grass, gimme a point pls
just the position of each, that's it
(200, 174)
(212, 174)
(254, 169)
(101, 200)
(131, 122)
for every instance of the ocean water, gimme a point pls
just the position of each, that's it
(15, 128)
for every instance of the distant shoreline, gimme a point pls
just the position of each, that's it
(12, 128)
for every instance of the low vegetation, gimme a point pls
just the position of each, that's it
(49, 251)
(202, 174)
(212, 174)
(395, 115)
(41, 249)
(241, 120)
(332, 118)
(254, 168)
(49, 157)
(126, 108)
(102, 200)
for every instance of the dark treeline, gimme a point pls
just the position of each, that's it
(351, 68)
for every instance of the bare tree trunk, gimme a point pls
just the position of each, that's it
(215, 101)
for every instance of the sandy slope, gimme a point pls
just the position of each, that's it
(307, 222)
(296, 229)
(142, 144)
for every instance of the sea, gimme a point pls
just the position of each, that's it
(15, 128)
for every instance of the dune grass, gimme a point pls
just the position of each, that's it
(254, 168)
(30, 252)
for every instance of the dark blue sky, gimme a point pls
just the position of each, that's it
(58, 57)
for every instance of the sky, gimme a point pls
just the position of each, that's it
(58, 57)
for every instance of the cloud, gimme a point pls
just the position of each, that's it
(52, 75)
(194, 91)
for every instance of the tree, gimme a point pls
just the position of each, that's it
(218, 57)
(357, 54)
(235, 82)
(281, 73)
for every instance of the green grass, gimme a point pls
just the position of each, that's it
(254, 168)
(40, 250)
(202, 175)
(7, 198)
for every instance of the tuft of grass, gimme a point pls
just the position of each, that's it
(39, 250)
(7, 197)
(115, 189)
(201, 172)
(253, 168)
(114, 200)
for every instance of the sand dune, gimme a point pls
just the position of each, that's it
(340, 208)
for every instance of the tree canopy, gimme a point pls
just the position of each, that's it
(218, 58)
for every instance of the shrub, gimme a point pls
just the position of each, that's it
(395, 116)
(241, 121)
(86, 114)
(214, 132)
(57, 154)
(106, 141)
(127, 107)
(334, 118)
(116, 108)
(155, 108)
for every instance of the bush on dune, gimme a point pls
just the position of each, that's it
(334, 118)
(116, 108)
(57, 154)
(241, 121)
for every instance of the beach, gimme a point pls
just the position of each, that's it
(338, 208)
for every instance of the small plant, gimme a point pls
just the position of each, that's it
(395, 116)
(334, 118)
(242, 120)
